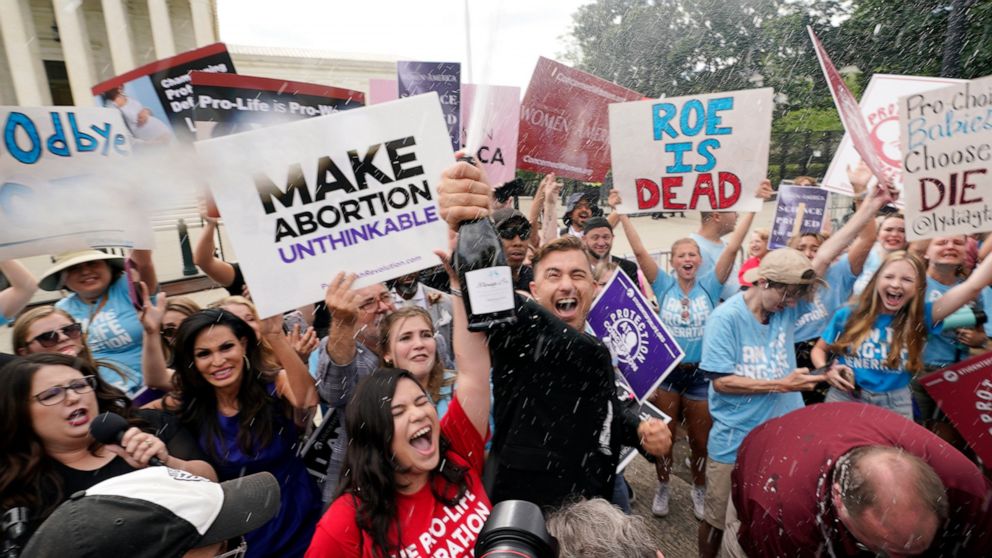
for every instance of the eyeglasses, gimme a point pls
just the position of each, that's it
(51, 338)
(793, 292)
(509, 233)
(372, 304)
(56, 394)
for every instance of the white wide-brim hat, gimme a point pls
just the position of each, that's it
(53, 280)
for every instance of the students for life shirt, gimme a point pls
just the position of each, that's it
(113, 333)
(710, 251)
(429, 528)
(942, 349)
(685, 315)
(826, 300)
(868, 360)
(736, 343)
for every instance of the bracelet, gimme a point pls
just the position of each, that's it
(456, 292)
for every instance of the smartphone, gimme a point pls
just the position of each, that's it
(821, 370)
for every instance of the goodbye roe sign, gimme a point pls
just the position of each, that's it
(946, 138)
(704, 152)
(353, 191)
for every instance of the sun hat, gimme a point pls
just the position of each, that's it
(52, 280)
(155, 512)
(787, 266)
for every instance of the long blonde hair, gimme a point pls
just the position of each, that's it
(23, 323)
(435, 378)
(907, 323)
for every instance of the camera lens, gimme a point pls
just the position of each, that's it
(515, 529)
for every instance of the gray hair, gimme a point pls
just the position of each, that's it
(596, 528)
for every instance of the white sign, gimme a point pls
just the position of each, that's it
(703, 152)
(66, 182)
(946, 136)
(352, 191)
(879, 107)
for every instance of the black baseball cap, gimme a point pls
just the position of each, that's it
(508, 215)
(596, 223)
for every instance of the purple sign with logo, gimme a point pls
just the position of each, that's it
(644, 351)
(800, 209)
(416, 78)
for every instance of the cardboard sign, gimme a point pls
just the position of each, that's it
(417, 78)
(229, 103)
(352, 191)
(563, 122)
(800, 209)
(946, 135)
(701, 152)
(66, 182)
(156, 99)
(646, 411)
(879, 107)
(963, 391)
(644, 349)
(497, 148)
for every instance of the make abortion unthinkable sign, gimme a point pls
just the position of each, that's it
(702, 152)
(946, 139)
(353, 191)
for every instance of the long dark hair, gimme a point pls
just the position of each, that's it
(197, 399)
(369, 472)
(27, 474)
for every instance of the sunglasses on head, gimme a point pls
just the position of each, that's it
(509, 233)
(51, 338)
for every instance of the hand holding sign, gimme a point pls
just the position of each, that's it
(655, 436)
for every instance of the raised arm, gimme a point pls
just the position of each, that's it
(857, 254)
(725, 263)
(146, 268)
(21, 289)
(549, 230)
(293, 383)
(203, 254)
(960, 294)
(535, 213)
(154, 370)
(647, 264)
(845, 236)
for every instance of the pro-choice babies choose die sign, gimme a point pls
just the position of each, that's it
(702, 152)
(353, 191)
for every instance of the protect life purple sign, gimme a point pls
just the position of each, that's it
(415, 78)
(800, 210)
(645, 352)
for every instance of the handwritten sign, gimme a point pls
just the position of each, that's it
(800, 209)
(946, 136)
(701, 152)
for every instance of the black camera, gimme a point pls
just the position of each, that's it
(515, 529)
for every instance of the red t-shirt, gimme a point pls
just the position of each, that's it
(781, 483)
(429, 528)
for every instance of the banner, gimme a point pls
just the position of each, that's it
(963, 391)
(644, 350)
(230, 103)
(879, 107)
(850, 112)
(498, 149)
(352, 191)
(946, 135)
(417, 78)
(66, 182)
(701, 152)
(156, 100)
(646, 411)
(563, 122)
(800, 209)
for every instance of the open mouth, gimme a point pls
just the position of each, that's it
(688, 268)
(222, 374)
(893, 299)
(566, 305)
(422, 442)
(78, 417)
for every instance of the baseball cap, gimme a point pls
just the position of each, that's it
(596, 223)
(504, 216)
(155, 511)
(787, 266)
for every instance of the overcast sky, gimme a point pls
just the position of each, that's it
(428, 30)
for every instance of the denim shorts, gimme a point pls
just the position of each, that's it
(899, 401)
(687, 381)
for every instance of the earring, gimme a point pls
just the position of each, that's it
(247, 364)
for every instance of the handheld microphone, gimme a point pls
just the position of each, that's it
(109, 428)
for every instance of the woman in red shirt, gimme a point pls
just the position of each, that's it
(412, 484)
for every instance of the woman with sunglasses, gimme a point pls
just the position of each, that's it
(47, 405)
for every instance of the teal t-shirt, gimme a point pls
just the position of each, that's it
(686, 315)
(826, 300)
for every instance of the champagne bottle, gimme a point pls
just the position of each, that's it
(487, 282)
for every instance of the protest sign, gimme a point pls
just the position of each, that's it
(946, 136)
(229, 103)
(646, 411)
(563, 122)
(65, 182)
(644, 350)
(156, 99)
(850, 112)
(700, 152)
(497, 149)
(879, 107)
(352, 191)
(800, 210)
(417, 78)
(963, 391)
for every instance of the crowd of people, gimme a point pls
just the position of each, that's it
(799, 392)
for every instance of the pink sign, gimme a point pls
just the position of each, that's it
(497, 149)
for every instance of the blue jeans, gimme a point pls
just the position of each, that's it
(620, 497)
(899, 401)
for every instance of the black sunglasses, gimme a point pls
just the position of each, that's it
(509, 233)
(169, 331)
(51, 338)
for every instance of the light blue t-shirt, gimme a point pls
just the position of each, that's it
(941, 348)
(872, 263)
(710, 252)
(868, 360)
(826, 300)
(735, 342)
(114, 334)
(3, 320)
(701, 300)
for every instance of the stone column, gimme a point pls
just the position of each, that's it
(158, 13)
(119, 35)
(23, 56)
(75, 50)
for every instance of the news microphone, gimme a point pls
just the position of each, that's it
(109, 428)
